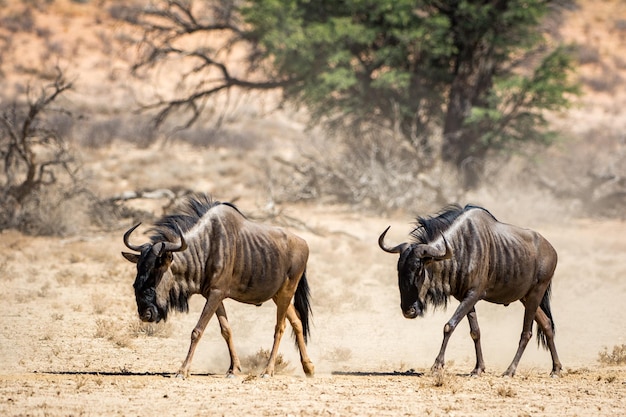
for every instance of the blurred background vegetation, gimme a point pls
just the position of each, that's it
(383, 105)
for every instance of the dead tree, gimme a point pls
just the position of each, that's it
(170, 32)
(32, 154)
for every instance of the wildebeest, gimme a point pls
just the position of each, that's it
(211, 248)
(469, 255)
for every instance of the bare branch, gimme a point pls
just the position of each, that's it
(201, 38)
(33, 153)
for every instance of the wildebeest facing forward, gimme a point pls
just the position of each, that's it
(210, 248)
(466, 253)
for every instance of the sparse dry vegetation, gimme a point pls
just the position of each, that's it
(506, 391)
(137, 328)
(113, 331)
(70, 337)
(255, 363)
(617, 356)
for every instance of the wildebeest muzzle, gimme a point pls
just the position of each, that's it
(413, 311)
(146, 306)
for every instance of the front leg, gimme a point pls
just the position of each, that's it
(462, 310)
(227, 334)
(213, 301)
(475, 334)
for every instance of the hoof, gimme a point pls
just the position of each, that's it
(436, 369)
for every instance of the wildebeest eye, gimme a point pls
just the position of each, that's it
(164, 260)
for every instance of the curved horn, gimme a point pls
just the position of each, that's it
(127, 235)
(396, 249)
(173, 247)
(430, 251)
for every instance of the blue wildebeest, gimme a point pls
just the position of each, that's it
(212, 249)
(467, 254)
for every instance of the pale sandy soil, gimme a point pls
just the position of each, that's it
(71, 342)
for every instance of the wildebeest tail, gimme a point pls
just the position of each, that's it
(302, 303)
(545, 306)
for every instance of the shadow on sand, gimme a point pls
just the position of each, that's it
(118, 373)
(410, 372)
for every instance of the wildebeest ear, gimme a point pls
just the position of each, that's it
(132, 257)
(430, 252)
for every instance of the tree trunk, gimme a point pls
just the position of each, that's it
(459, 144)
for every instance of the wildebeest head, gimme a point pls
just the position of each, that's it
(153, 260)
(414, 257)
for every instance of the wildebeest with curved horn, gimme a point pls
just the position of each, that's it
(211, 248)
(467, 254)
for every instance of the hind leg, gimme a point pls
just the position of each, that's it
(545, 323)
(282, 299)
(227, 334)
(531, 305)
(296, 324)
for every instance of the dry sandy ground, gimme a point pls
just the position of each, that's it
(71, 342)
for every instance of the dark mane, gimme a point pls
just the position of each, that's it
(429, 228)
(186, 215)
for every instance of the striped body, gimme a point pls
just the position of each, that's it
(250, 261)
(500, 261)
(212, 249)
(467, 254)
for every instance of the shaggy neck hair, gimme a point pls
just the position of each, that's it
(428, 229)
(186, 215)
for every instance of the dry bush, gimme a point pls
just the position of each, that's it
(616, 357)
(58, 210)
(586, 173)
(135, 129)
(218, 137)
(587, 54)
(375, 171)
(607, 81)
(19, 21)
(256, 362)
(41, 191)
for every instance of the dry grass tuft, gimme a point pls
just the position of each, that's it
(506, 391)
(441, 378)
(616, 357)
(139, 328)
(106, 329)
(256, 362)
